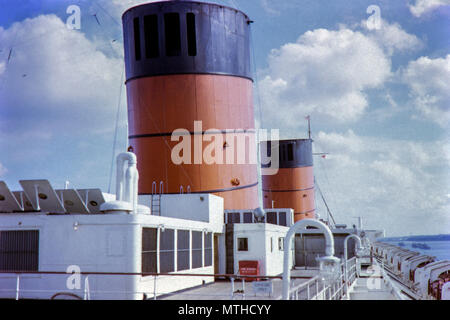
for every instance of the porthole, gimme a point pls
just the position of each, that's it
(93, 203)
(42, 196)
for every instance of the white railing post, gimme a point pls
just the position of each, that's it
(87, 293)
(307, 291)
(243, 289)
(317, 289)
(154, 287)
(232, 288)
(17, 286)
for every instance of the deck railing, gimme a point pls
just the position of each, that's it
(313, 289)
(316, 289)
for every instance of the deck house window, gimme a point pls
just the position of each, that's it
(183, 250)
(248, 217)
(19, 250)
(234, 217)
(272, 217)
(282, 219)
(197, 248)
(167, 251)
(149, 253)
(242, 244)
(208, 249)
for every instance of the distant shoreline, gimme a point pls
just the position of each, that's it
(439, 237)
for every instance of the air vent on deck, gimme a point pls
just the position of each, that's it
(39, 195)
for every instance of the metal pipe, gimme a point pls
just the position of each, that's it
(300, 225)
(127, 179)
(232, 288)
(87, 290)
(358, 240)
(17, 286)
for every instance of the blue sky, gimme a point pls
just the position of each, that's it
(378, 98)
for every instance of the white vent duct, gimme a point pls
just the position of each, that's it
(127, 179)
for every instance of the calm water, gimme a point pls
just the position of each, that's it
(438, 249)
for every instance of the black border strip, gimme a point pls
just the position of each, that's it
(166, 134)
(188, 73)
(313, 210)
(210, 191)
(294, 190)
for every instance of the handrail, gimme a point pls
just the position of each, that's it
(389, 284)
(161, 187)
(336, 290)
(300, 225)
(147, 274)
(308, 286)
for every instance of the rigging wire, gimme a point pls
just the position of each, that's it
(107, 13)
(260, 116)
(325, 202)
(330, 188)
(116, 130)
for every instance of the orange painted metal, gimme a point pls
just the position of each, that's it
(161, 104)
(291, 188)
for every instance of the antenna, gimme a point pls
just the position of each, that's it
(308, 117)
(360, 223)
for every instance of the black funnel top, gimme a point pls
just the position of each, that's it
(294, 153)
(186, 37)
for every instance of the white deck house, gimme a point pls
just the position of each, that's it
(109, 243)
(86, 243)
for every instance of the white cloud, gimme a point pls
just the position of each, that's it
(392, 38)
(421, 7)
(429, 83)
(393, 171)
(117, 7)
(58, 88)
(390, 183)
(267, 6)
(324, 74)
(56, 72)
(337, 143)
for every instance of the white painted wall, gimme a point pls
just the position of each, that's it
(100, 243)
(197, 207)
(259, 236)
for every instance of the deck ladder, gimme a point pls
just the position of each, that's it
(156, 198)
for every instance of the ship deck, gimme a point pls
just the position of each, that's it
(366, 287)
(221, 290)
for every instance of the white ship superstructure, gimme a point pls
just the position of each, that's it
(196, 230)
